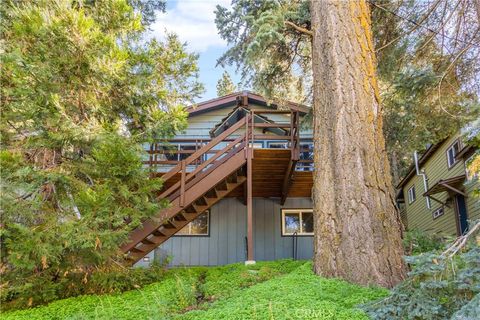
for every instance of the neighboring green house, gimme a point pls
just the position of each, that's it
(436, 194)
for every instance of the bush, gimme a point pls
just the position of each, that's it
(440, 286)
(417, 241)
(81, 283)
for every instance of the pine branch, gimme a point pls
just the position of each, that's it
(299, 29)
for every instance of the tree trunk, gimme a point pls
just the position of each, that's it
(357, 228)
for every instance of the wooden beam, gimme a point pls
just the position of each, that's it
(442, 203)
(287, 179)
(453, 189)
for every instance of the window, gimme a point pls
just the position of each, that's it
(297, 221)
(305, 162)
(411, 195)
(197, 227)
(188, 149)
(277, 145)
(437, 213)
(452, 152)
(256, 145)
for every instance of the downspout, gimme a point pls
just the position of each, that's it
(424, 176)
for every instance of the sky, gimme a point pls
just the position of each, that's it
(194, 23)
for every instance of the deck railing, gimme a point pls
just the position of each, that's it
(172, 152)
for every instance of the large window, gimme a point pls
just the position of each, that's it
(198, 227)
(297, 222)
(452, 152)
(411, 195)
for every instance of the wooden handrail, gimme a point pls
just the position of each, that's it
(202, 166)
(204, 149)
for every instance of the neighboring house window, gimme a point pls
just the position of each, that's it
(297, 221)
(452, 152)
(197, 227)
(411, 195)
(437, 213)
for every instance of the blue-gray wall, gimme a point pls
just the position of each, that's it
(228, 229)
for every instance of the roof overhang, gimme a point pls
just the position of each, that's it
(466, 152)
(452, 185)
(241, 99)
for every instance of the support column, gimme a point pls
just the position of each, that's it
(250, 256)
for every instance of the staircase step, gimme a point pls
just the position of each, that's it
(220, 183)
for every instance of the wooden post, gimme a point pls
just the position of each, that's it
(250, 256)
(182, 184)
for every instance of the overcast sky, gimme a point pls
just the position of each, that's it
(194, 22)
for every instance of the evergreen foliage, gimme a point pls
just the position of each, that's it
(225, 85)
(426, 91)
(440, 286)
(81, 92)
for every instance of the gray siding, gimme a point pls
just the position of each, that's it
(228, 229)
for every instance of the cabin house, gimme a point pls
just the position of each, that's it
(436, 194)
(239, 182)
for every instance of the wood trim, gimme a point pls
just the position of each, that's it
(282, 223)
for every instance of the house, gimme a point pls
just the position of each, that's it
(239, 181)
(436, 194)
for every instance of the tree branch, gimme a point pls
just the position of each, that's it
(298, 28)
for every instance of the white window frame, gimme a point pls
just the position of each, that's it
(299, 212)
(438, 213)
(412, 196)
(283, 144)
(189, 227)
(452, 147)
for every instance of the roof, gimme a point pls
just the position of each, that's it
(241, 99)
(450, 184)
(466, 152)
(426, 155)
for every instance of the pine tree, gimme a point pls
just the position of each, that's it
(357, 229)
(270, 43)
(225, 85)
(81, 92)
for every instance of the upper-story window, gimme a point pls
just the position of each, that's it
(452, 152)
(411, 194)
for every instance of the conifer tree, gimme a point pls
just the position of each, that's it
(80, 92)
(225, 85)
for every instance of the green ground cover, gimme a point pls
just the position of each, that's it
(283, 289)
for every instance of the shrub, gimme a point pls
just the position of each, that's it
(441, 285)
(417, 241)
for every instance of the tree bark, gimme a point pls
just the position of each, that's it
(357, 228)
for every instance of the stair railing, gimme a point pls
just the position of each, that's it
(208, 165)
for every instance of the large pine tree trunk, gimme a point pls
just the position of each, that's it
(357, 228)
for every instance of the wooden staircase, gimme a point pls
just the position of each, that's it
(196, 192)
